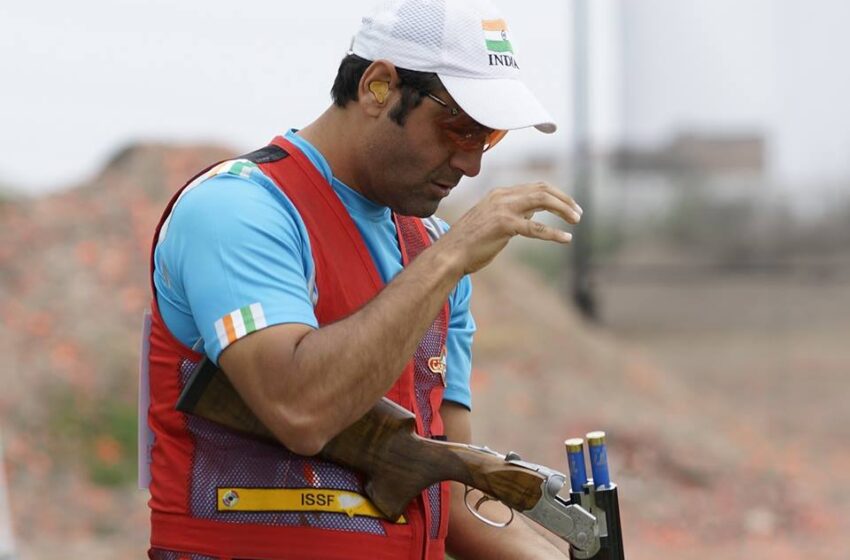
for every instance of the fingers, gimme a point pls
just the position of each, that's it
(534, 197)
(558, 193)
(536, 230)
(485, 229)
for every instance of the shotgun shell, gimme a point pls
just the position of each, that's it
(575, 460)
(598, 459)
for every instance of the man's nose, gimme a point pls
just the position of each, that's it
(467, 162)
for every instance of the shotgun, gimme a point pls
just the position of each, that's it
(398, 464)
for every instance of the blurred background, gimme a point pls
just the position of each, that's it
(701, 317)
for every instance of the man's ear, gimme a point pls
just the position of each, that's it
(377, 86)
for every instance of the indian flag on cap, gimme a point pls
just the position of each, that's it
(239, 323)
(496, 35)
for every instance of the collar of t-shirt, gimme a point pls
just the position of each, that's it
(353, 200)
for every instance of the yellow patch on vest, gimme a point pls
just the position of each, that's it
(297, 499)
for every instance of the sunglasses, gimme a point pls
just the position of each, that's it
(463, 130)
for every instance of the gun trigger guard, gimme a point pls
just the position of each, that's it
(481, 501)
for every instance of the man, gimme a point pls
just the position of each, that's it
(312, 273)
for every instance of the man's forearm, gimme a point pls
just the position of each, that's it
(339, 371)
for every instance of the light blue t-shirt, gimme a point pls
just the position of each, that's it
(234, 256)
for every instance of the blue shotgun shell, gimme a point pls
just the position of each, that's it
(598, 459)
(575, 460)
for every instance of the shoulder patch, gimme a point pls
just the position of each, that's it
(239, 323)
(239, 167)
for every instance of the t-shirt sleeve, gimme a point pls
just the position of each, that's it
(238, 253)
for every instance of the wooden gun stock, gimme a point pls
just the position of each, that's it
(382, 445)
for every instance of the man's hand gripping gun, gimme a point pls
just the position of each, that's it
(398, 465)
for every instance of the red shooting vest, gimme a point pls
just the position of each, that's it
(192, 457)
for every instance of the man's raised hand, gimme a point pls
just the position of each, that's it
(486, 228)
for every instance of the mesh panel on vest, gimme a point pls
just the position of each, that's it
(434, 498)
(424, 379)
(432, 343)
(160, 554)
(225, 458)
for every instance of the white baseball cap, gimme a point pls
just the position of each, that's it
(467, 44)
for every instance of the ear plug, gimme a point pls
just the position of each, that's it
(380, 90)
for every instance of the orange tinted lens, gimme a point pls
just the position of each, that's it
(467, 134)
(464, 132)
(494, 138)
(466, 140)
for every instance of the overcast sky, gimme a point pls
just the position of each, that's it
(81, 79)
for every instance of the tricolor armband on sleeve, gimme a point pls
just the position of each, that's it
(239, 323)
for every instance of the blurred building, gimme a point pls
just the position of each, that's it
(635, 184)
(695, 153)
